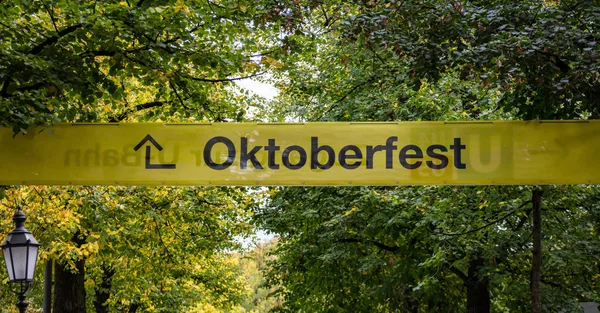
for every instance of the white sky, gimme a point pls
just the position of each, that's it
(265, 90)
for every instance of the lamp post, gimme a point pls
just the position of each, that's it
(20, 252)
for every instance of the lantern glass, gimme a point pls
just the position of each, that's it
(20, 262)
(6, 250)
(31, 261)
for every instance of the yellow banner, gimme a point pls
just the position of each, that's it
(407, 153)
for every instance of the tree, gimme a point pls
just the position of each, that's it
(253, 262)
(133, 249)
(81, 61)
(413, 249)
(540, 59)
(111, 61)
(432, 60)
(346, 61)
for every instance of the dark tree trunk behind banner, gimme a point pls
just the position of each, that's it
(48, 287)
(69, 289)
(536, 302)
(478, 293)
(69, 286)
(103, 290)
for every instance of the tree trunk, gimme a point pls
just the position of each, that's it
(536, 302)
(69, 288)
(48, 286)
(478, 293)
(103, 291)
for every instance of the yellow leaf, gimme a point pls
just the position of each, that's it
(271, 61)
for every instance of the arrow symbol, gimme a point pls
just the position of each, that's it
(151, 140)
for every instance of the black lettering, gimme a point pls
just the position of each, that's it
(314, 154)
(404, 155)
(151, 166)
(285, 157)
(442, 158)
(370, 152)
(245, 155)
(343, 156)
(457, 154)
(271, 148)
(389, 149)
(230, 153)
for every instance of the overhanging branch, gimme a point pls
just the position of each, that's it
(4, 90)
(177, 94)
(137, 108)
(223, 80)
(488, 224)
(352, 90)
(458, 273)
(51, 40)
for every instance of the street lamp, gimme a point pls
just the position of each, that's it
(20, 254)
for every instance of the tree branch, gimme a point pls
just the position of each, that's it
(347, 94)
(368, 81)
(262, 54)
(135, 60)
(165, 246)
(377, 55)
(523, 220)
(51, 16)
(177, 94)
(393, 249)
(219, 16)
(124, 94)
(137, 108)
(488, 224)
(4, 90)
(33, 87)
(224, 80)
(326, 23)
(556, 61)
(100, 53)
(458, 273)
(331, 107)
(551, 283)
(51, 40)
